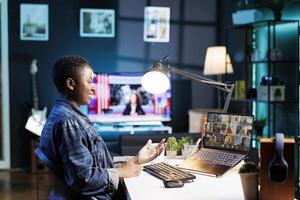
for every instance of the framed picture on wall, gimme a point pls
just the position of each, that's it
(97, 22)
(157, 24)
(34, 22)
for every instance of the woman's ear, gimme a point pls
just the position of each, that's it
(70, 83)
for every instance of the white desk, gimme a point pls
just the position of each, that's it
(147, 187)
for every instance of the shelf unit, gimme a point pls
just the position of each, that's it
(265, 36)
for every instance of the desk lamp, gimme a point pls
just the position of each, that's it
(156, 81)
(217, 62)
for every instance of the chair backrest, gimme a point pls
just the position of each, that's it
(49, 163)
(60, 190)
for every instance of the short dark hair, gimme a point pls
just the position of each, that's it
(67, 67)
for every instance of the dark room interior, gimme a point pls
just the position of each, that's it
(233, 73)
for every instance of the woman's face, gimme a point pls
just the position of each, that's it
(133, 99)
(83, 89)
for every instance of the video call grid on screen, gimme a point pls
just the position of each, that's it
(230, 131)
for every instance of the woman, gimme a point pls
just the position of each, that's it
(69, 140)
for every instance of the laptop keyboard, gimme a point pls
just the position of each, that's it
(168, 172)
(221, 157)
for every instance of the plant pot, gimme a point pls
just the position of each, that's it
(250, 185)
(171, 154)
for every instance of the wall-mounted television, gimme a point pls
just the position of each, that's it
(114, 93)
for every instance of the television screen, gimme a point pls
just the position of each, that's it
(121, 98)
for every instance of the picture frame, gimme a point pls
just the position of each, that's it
(97, 22)
(156, 24)
(34, 22)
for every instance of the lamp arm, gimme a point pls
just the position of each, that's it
(213, 83)
(231, 87)
(227, 87)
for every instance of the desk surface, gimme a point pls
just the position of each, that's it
(148, 187)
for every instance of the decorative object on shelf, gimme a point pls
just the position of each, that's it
(276, 54)
(259, 125)
(277, 89)
(244, 4)
(246, 16)
(171, 147)
(240, 89)
(256, 55)
(239, 56)
(251, 93)
(249, 178)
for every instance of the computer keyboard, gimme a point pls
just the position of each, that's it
(168, 172)
(221, 157)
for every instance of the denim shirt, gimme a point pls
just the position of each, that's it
(69, 139)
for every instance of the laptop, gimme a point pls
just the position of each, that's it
(226, 142)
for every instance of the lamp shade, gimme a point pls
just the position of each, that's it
(155, 82)
(217, 61)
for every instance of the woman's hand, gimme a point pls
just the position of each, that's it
(130, 169)
(147, 153)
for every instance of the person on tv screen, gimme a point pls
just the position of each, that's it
(134, 107)
(80, 158)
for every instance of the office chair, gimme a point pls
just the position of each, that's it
(60, 191)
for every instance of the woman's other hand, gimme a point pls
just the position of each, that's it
(147, 153)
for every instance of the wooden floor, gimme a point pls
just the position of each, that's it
(23, 185)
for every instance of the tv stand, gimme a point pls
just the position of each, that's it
(111, 132)
(130, 128)
(126, 118)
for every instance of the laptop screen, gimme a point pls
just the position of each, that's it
(228, 131)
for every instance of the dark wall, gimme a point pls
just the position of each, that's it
(181, 89)
(192, 31)
(63, 39)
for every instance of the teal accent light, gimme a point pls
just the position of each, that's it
(260, 36)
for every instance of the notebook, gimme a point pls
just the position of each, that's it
(226, 142)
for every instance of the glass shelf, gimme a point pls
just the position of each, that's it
(261, 24)
(263, 101)
(266, 62)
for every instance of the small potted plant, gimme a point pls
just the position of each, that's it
(249, 178)
(171, 147)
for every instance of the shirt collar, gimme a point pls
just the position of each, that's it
(64, 102)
